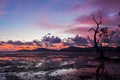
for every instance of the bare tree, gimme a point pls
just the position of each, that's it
(119, 15)
(101, 33)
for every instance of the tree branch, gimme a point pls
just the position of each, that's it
(100, 13)
(93, 16)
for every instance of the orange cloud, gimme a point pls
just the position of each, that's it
(11, 47)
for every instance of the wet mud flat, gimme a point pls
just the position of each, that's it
(57, 66)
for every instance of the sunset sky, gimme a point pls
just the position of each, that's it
(28, 20)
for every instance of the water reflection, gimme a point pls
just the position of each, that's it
(108, 70)
(100, 69)
(37, 66)
(17, 58)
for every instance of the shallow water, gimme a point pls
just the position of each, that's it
(58, 66)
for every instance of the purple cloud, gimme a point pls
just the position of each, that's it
(15, 42)
(80, 41)
(78, 30)
(51, 39)
(108, 5)
(75, 41)
(111, 19)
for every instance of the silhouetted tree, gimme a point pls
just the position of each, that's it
(106, 38)
(119, 16)
(119, 26)
(100, 68)
(102, 33)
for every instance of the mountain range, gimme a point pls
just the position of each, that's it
(69, 49)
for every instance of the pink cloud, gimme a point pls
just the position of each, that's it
(107, 19)
(84, 19)
(78, 30)
(108, 4)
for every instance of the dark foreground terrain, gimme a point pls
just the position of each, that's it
(58, 66)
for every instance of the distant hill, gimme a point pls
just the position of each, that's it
(90, 49)
(77, 49)
(37, 50)
(71, 49)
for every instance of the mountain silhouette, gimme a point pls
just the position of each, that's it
(77, 49)
(37, 50)
(70, 49)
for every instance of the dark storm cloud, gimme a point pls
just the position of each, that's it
(51, 40)
(37, 42)
(77, 40)
(28, 43)
(2, 42)
(15, 42)
(80, 41)
(68, 42)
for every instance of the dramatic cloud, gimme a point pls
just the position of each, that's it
(108, 20)
(68, 42)
(80, 41)
(2, 42)
(75, 41)
(34, 42)
(51, 39)
(37, 42)
(18, 45)
(15, 42)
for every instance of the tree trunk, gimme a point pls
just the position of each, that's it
(100, 51)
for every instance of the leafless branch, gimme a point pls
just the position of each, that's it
(100, 18)
(93, 16)
(100, 13)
